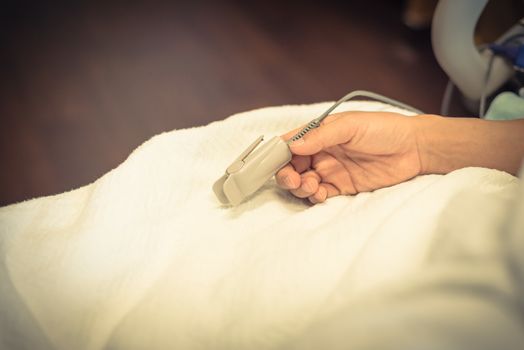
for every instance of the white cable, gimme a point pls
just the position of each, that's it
(483, 96)
(446, 98)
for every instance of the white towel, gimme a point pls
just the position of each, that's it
(146, 258)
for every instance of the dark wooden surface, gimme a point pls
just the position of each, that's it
(83, 85)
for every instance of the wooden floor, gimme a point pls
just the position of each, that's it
(82, 86)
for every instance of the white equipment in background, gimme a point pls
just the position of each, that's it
(475, 71)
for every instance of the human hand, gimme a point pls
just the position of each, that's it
(352, 152)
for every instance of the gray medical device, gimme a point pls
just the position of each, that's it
(251, 170)
(258, 163)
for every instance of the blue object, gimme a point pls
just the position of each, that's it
(514, 53)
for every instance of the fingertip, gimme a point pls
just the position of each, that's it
(331, 191)
(292, 182)
(319, 196)
(288, 179)
(309, 185)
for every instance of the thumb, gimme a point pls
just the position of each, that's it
(326, 135)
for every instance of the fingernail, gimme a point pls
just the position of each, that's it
(288, 182)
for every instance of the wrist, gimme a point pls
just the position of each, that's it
(449, 143)
(434, 143)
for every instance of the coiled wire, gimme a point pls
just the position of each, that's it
(315, 123)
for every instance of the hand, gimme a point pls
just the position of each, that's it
(352, 152)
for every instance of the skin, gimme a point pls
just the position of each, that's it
(354, 152)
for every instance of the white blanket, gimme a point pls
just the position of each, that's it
(146, 258)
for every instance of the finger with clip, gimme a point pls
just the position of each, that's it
(250, 171)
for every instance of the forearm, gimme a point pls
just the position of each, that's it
(446, 144)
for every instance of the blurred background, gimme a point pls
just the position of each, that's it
(83, 84)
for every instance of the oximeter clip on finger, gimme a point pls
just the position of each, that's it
(251, 170)
(258, 163)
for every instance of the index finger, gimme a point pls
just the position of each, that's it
(288, 135)
(330, 118)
